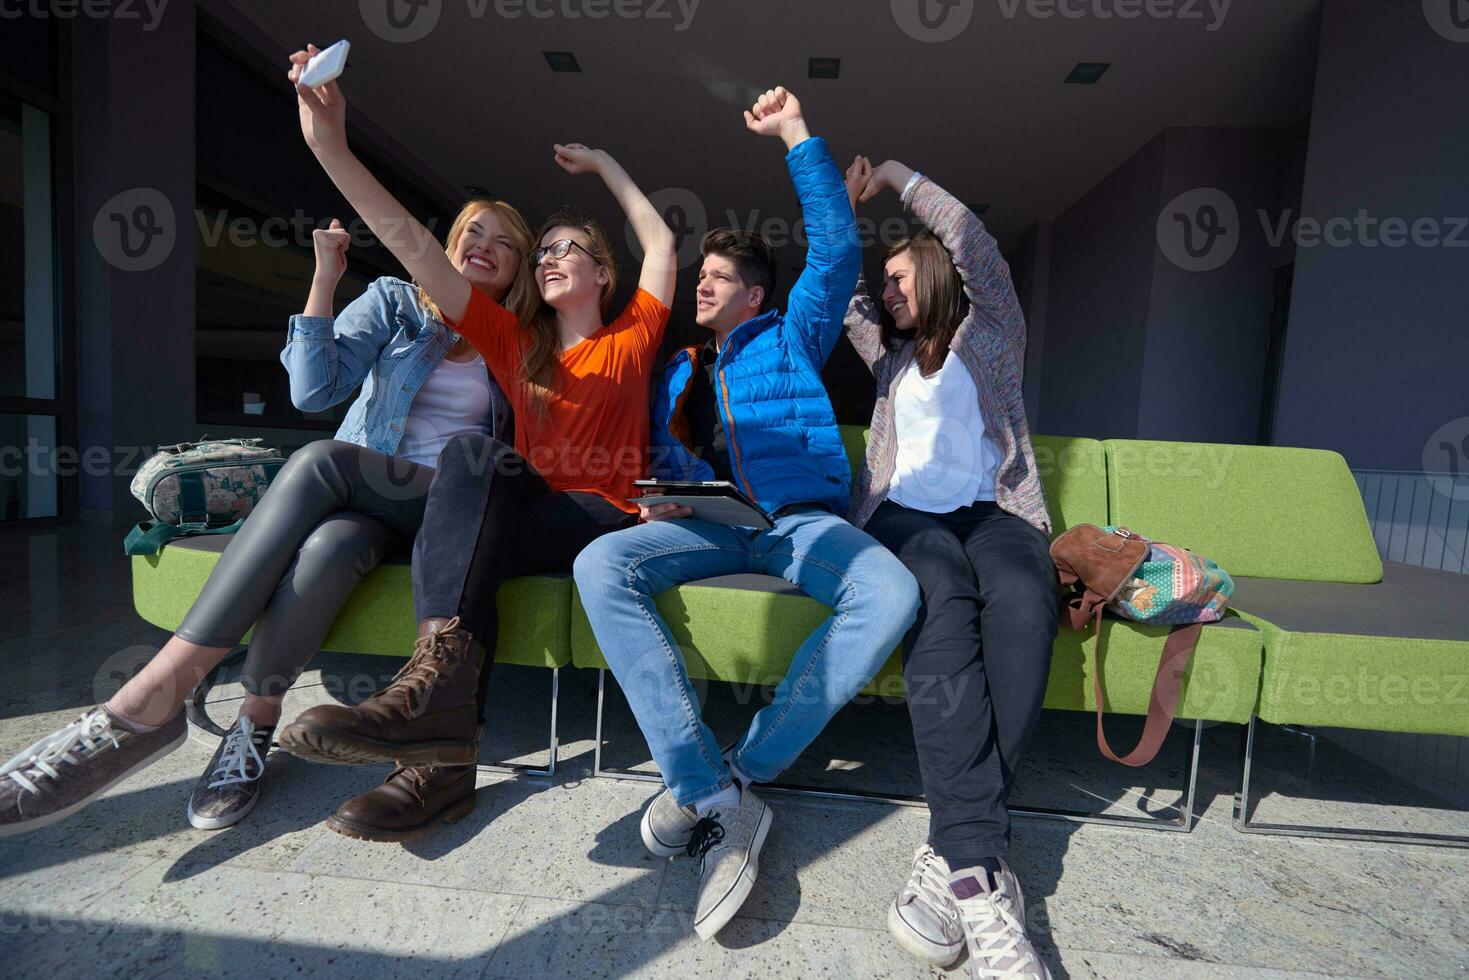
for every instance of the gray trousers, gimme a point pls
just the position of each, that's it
(333, 513)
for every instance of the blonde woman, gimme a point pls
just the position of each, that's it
(335, 510)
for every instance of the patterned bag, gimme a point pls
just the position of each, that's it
(205, 487)
(1172, 587)
(1113, 568)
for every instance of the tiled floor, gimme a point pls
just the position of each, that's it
(549, 878)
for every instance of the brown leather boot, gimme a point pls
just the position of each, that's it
(407, 804)
(428, 715)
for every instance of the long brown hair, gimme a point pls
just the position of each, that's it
(538, 363)
(941, 303)
(522, 289)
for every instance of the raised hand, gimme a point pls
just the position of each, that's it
(858, 174)
(889, 173)
(323, 110)
(577, 158)
(331, 244)
(778, 113)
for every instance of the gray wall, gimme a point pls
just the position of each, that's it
(1204, 360)
(1135, 345)
(1377, 343)
(135, 329)
(1097, 310)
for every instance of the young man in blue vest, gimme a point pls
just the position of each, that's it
(749, 407)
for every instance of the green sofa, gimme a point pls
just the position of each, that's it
(1314, 603)
(1350, 641)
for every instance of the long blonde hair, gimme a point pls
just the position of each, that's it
(538, 363)
(520, 296)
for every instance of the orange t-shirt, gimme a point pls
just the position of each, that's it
(593, 435)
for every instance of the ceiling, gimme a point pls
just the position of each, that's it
(986, 114)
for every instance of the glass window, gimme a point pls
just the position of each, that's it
(27, 274)
(28, 467)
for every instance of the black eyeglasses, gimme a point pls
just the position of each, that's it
(559, 249)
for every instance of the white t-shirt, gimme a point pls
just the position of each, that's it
(946, 460)
(454, 399)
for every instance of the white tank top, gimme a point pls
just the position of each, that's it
(454, 399)
(946, 460)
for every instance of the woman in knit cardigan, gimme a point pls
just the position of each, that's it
(950, 486)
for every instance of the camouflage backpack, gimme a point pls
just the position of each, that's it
(205, 487)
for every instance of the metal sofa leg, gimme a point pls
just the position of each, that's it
(1244, 824)
(553, 749)
(1184, 823)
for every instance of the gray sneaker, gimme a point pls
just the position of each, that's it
(994, 926)
(923, 919)
(727, 843)
(71, 767)
(230, 786)
(667, 826)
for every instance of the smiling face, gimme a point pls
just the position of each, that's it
(576, 277)
(899, 290)
(722, 301)
(486, 255)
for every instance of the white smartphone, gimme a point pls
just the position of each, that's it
(325, 65)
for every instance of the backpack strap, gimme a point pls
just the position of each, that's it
(1163, 703)
(149, 537)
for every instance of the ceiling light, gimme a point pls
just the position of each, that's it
(824, 68)
(1087, 73)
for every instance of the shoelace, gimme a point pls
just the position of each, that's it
(239, 752)
(422, 669)
(41, 758)
(930, 882)
(707, 833)
(997, 936)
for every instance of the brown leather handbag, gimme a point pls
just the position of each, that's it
(1094, 565)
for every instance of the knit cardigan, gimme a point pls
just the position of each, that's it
(990, 342)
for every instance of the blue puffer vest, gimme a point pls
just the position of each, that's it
(784, 445)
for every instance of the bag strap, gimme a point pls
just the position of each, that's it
(149, 537)
(1163, 703)
(192, 506)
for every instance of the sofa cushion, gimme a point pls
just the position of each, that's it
(744, 629)
(1392, 656)
(1257, 510)
(378, 618)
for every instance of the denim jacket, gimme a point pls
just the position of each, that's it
(385, 341)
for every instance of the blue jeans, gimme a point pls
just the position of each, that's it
(874, 601)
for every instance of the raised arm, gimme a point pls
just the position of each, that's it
(323, 114)
(864, 330)
(327, 357)
(976, 254)
(818, 301)
(654, 236)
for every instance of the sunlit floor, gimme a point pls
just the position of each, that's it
(549, 877)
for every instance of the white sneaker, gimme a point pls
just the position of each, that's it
(923, 919)
(994, 926)
(727, 842)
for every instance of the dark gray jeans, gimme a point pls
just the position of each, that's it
(975, 663)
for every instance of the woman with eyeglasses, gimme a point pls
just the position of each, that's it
(578, 380)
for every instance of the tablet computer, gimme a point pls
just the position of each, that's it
(717, 501)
